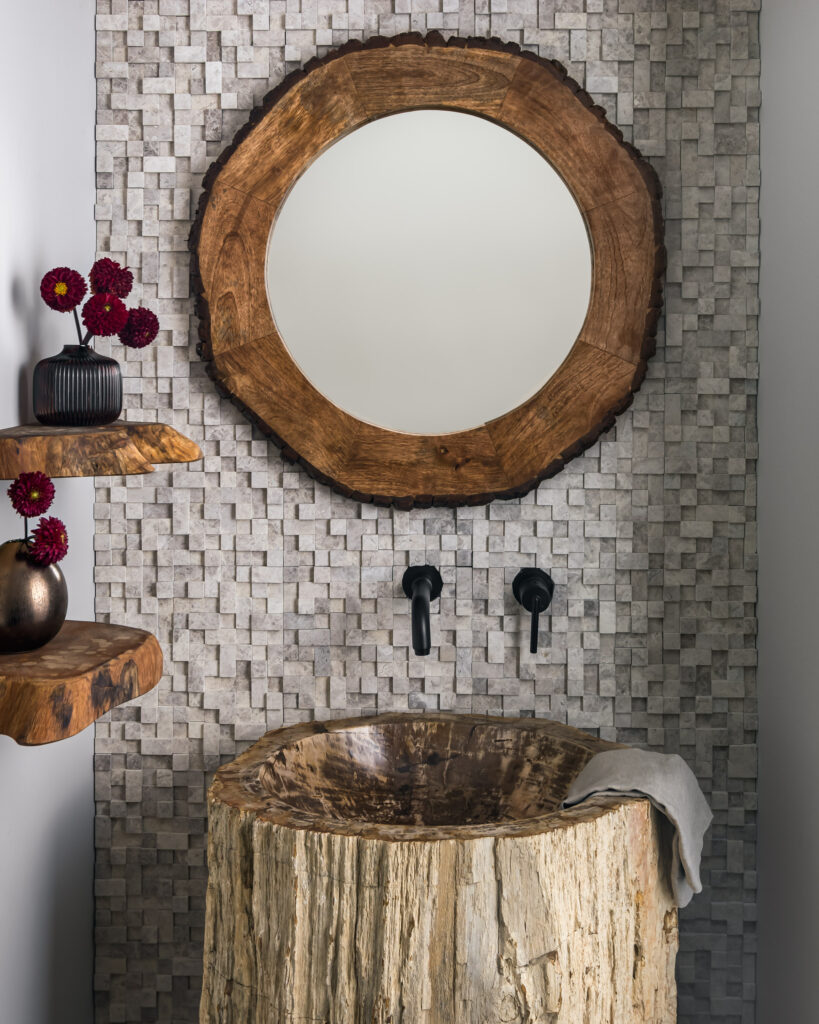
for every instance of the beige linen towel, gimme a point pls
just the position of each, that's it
(671, 786)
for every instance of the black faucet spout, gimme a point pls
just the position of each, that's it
(422, 584)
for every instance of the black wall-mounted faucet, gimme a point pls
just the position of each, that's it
(533, 588)
(422, 584)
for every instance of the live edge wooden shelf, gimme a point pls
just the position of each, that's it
(118, 449)
(87, 669)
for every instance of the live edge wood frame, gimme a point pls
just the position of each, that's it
(616, 189)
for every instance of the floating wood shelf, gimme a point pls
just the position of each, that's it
(117, 449)
(87, 669)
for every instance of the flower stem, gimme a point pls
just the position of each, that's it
(77, 322)
(86, 339)
(25, 528)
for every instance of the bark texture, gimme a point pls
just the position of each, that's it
(570, 924)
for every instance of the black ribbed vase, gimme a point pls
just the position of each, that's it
(77, 388)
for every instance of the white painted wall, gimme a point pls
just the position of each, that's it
(46, 218)
(789, 515)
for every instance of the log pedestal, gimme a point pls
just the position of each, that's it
(417, 870)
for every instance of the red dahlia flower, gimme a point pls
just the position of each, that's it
(62, 289)
(104, 314)
(31, 494)
(108, 276)
(141, 329)
(50, 541)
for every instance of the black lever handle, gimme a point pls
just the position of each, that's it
(533, 588)
(534, 629)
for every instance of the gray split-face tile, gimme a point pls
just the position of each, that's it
(277, 601)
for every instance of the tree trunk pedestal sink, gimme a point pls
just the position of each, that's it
(416, 869)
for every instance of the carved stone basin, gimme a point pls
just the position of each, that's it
(412, 868)
(400, 776)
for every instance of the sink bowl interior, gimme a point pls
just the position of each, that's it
(427, 770)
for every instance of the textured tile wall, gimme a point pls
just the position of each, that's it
(276, 601)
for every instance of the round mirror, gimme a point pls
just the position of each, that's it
(429, 272)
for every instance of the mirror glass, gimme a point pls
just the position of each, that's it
(429, 272)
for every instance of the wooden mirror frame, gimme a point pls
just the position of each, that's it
(616, 190)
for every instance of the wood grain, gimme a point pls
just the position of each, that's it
(321, 107)
(87, 669)
(275, 390)
(405, 869)
(117, 449)
(615, 188)
(566, 414)
(560, 120)
(240, 313)
(626, 240)
(413, 77)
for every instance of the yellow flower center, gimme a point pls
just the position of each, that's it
(34, 495)
(107, 307)
(60, 288)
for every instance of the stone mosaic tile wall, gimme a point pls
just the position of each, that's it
(276, 600)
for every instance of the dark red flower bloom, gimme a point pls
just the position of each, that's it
(108, 276)
(62, 289)
(50, 541)
(31, 494)
(141, 329)
(104, 314)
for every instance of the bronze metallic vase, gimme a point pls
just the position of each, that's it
(33, 600)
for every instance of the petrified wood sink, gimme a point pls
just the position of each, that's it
(406, 869)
